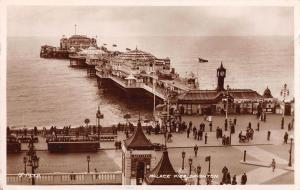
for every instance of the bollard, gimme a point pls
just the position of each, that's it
(245, 152)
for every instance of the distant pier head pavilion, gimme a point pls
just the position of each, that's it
(68, 46)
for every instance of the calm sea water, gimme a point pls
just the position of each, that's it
(47, 92)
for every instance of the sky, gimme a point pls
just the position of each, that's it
(149, 21)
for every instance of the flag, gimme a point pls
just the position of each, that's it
(114, 45)
(128, 49)
(207, 159)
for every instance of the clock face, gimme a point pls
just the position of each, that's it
(222, 73)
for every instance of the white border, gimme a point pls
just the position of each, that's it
(3, 7)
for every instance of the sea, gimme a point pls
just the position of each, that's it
(47, 92)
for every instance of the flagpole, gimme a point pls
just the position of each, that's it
(154, 92)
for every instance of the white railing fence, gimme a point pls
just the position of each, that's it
(101, 178)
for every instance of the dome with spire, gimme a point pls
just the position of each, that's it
(267, 93)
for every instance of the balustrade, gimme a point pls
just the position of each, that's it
(101, 178)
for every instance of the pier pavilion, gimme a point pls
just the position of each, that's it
(140, 74)
(89, 58)
(77, 41)
(240, 101)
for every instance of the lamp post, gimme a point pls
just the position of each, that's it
(154, 83)
(127, 116)
(230, 136)
(198, 174)
(227, 101)
(88, 159)
(284, 92)
(290, 151)
(25, 162)
(99, 116)
(33, 160)
(190, 163)
(183, 156)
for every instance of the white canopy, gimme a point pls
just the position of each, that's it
(130, 77)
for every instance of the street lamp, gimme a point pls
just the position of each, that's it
(227, 101)
(190, 163)
(290, 151)
(183, 156)
(33, 160)
(99, 116)
(198, 174)
(164, 115)
(88, 158)
(230, 136)
(284, 92)
(127, 116)
(25, 162)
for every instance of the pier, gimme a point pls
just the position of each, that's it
(126, 85)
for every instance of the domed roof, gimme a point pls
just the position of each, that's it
(136, 55)
(79, 37)
(267, 93)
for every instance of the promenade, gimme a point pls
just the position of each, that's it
(260, 153)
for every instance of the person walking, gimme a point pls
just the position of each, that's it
(96, 174)
(232, 129)
(195, 150)
(234, 121)
(228, 178)
(190, 124)
(194, 132)
(205, 138)
(218, 132)
(199, 135)
(289, 127)
(224, 171)
(244, 179)
(188, 131)
(233, 182)
(258, 125)
(269, 135)
(210, 126)
(285, 137)
(273, 164)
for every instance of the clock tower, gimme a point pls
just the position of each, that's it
(221, 74)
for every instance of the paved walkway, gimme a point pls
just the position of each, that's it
(260, 138)
(262, 174)
(262, 155)
(115, 157)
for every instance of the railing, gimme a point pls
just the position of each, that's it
(101, 178)
(158, 90)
